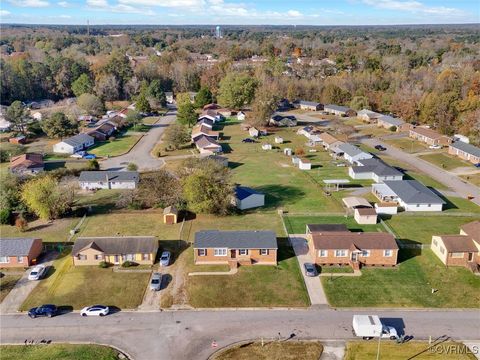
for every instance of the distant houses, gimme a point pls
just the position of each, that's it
(282, 120)
(27, 164)
(465, 151)
(308, 105)
(409, 194)
(429, 136)
(204, 130)
(339, 110)
(93, 180)
(368, 115)
(74, 144)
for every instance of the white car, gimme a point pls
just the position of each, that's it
(95, 310)
(436, 147)
(165, 258)
(78, 155)
(37, 272)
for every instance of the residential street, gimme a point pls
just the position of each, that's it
(140, 154)
(189, 334)
(462, 188)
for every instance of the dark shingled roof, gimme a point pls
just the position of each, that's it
(246, 239)
(458, 243)
(15, 246)
(93, 176)
(242, 192)
(467, 148)
(376, 166)
(117, 245)
(326, 227)
(360, 240)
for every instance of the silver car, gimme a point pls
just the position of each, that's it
(37, 272)
(156, 282)
(165, 258)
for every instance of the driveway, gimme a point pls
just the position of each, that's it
(189, 334)
(313, 284)
(140, 154)
(462, 188)
(23, 287)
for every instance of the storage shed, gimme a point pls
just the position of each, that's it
(170, 215)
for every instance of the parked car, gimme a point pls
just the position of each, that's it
(435, 147)
(37, 272)
(310, 269)
(95, 310)
(78, 155)
(156, 282)
(89, 156)
(248, 140)
(477, 165)
(165, 258)
(380, 148)
(47, 310)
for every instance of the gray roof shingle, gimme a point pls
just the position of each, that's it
(336, 107)
(15, 246)
(468, 148)
(245, 239)
(376, 166)
(413, 192)
(350, 149)
(118, 245)
(79, 139)
(391, 120)
(94, 176)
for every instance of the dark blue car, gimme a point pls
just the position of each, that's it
(43, 310)
(89, 156)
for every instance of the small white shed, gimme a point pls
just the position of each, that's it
(253, 132)
(304, 164)
(295, 160)
(247, 198)
(278, 140)
(240, 116)
(390, 208)
(287, 151)
(267, 146)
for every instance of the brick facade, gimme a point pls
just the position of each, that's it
(253, 256)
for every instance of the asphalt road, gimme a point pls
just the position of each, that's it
(140, 154)
(462, 188)
(189, 334)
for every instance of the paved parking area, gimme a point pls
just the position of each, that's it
(313, 284)
(23, 287)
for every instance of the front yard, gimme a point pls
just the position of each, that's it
(409, 285)
(7, 282)
(58, 352)
(407, 144)
(279, 350)
(118, 146)
(445, 161)
(76, 287)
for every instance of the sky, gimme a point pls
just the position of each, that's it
(238, 12)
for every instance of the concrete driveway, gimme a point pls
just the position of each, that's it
(15, 298)
(140, 154)
(313, 284)
(462, 188)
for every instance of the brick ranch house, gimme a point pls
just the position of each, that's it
(429, 136)
(459, 250)
(355, 249)
(235, 247)
(115, 250)
(19, 252)
(465, 151)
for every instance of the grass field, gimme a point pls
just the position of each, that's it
(474, 178)
(70, 286)
(118, 146)
(407, 144)
(297, 224)
(57, 230)
(150, 120)
(363, 350)
(457, 204)
(421, 228)
(7, 282)
(409, 285)
(309, 350)
(445, 161)
(57, 352)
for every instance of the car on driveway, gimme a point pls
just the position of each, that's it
(248, 140)
(310, 269)
(78, 155)
(95, 310)
(37, 272)
(435, 147)
(47, 310)
(380, 148)
(156, 282)
(89, 156)
(165, 258)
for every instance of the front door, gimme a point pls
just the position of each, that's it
(233, 254)
(354, 256)
(116, 259)
(470, 256)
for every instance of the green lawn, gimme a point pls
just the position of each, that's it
(58, 352)
(278, 350)
(7, 282)
(445, 161)
(421, 228)
(474, 179)
(118, 146)
(297, 224)
(418, 350)
(67, 285)
(57, 230)
(409, 285)
(457, 204)
(150, 120)
(407, 144)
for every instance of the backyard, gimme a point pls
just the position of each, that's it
(297, 224)
(69, 286)
(57, 230)
(58, 352)
(115, 147)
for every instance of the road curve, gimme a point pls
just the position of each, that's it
(189, 334)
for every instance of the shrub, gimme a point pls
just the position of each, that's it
(21, 223)
(132, 167)
(103, 264)
(5, 216)
(299, 151)
(393, 128)
(127, 264)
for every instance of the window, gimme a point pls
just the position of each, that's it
(457, 255)
(263, 251)
(81, 257)
(442, 250)
(418, 205)
(20, 259)
(387, 253)
(145, 256)
(242, 251)
(130, 257)
(365, 253)
(340, 253)
(435, 242)
(220, 252)
(98, 257)
(429, 205)
(4, 259)
(202, 252)
(323, 253)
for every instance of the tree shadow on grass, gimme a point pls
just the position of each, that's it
(277, 195)
(233, 164)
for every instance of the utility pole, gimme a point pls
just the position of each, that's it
(88, 28)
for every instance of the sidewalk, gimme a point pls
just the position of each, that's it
(313, 284)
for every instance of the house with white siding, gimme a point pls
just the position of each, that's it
(352, 154)
(374, 169)
(74, 144)
(93, 180)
